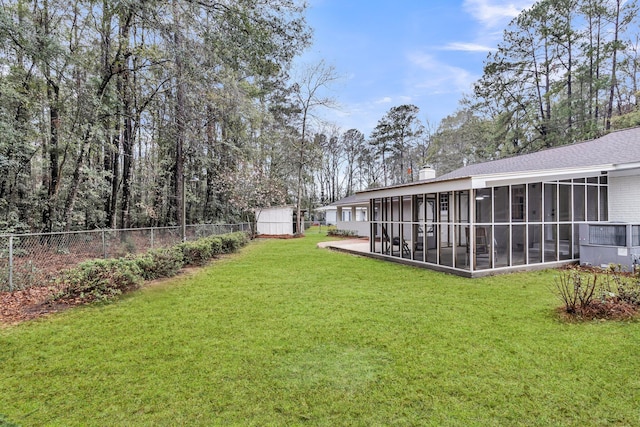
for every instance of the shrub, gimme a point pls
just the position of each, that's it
(627, 287)
(197, 252)
(100, 280)
(231, 242)
(158, 263)
(341, 233)
(216, 245)
(576, 289)
(104, 279)
(598, 294)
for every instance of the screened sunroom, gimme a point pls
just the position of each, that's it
(517, 213)
(489, 228)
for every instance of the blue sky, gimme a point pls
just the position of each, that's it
(393, 52)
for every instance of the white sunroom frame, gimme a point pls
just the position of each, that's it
(380, 198)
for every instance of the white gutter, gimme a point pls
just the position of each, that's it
(494, 180)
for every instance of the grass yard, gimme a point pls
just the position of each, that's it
(286, 334)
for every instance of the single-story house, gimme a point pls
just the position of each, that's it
(537, 210)
(330, 214)
(348, 214)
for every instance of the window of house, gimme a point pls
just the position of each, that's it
(444, 202)
(517, 203)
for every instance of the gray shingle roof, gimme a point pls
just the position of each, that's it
(346, 201)
(614, 148)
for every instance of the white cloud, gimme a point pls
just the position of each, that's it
(385, 100)
(439, 77)
(492, 13)
(468, 47)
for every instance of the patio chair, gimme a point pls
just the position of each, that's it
(401, 244)
(419, 243)
(482, 244)
(482, 247)
(405, 247)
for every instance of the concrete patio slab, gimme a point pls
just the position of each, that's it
(356, 246)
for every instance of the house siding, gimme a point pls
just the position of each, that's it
(624, 199)
(360, 228)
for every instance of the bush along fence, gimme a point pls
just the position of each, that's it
(103, 279)
(28, 260)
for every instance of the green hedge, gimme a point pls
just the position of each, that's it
(227, 243)
(216, 245)
(104, 279)
(334, 232)
(100, 280)
(196, 253)
(233, 241)
(159, 263)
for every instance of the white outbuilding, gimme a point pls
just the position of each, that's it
(276, 221)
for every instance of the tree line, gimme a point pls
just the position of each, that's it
(565, 71)
(117, 114)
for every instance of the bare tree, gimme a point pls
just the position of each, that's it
(308, 97)
(353, 144)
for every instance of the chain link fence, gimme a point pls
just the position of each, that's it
(28, 260)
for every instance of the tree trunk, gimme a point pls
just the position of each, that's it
(180, 120)
(612, 87)
(53, 95)
(127, 152)
(75, 184)
(302, 147)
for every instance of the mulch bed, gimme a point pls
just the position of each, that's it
(38, 301)
(279, 236)
(597, 310)
(609, 309)
(30, 303)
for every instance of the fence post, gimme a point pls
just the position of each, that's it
(10, 263)
(104, 246)
(151, 237)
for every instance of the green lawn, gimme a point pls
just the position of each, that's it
(287, 334)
